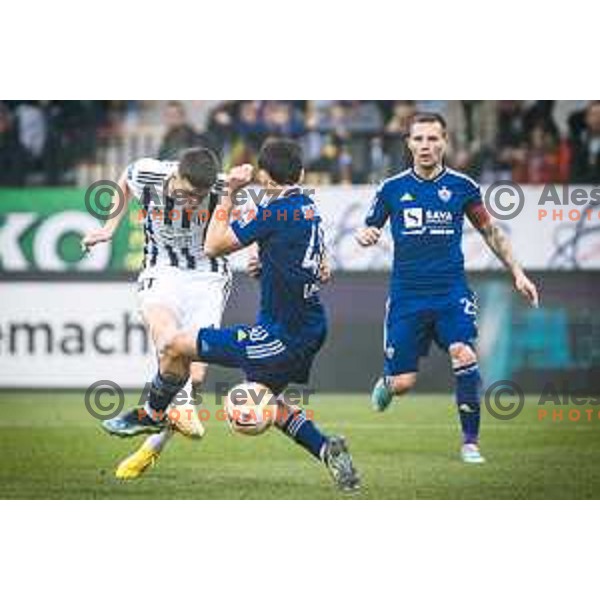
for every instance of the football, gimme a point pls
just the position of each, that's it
(250, 408)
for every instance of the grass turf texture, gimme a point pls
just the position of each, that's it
(50, 447)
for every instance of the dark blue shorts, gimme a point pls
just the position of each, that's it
(409, 331)
(262, 352)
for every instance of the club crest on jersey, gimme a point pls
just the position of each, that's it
(444, 194)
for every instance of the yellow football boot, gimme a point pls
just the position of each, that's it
(135, 464)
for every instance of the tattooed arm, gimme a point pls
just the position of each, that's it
(500, 245)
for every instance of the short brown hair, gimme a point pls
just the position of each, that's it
(200, 166)
(429, 117)
(281, 158)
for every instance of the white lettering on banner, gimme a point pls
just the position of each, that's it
(62, 335)
(45, 242)
(46, 237)
(14, 226)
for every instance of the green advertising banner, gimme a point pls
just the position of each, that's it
(41, 231)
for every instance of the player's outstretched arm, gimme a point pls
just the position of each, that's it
(220, 238)
(500, 245)
(105, 233)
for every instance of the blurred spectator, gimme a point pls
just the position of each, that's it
(396, 135)
(539, 114)
(351, 125)
(280, 119)
(32, 130)
(538, 161)
(12, 155)
(179, 135)
(249, 132)
(585, 144)
(327, 166)
(220, 125)
(510, 135)
(356, 141)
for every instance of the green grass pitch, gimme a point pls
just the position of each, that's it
(51, 448)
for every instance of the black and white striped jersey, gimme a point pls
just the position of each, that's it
(173, 233)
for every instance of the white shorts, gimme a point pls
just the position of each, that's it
(197, 298)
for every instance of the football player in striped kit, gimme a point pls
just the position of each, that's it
(179, 286)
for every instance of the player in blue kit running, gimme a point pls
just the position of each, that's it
(429, 297)
(291, 325)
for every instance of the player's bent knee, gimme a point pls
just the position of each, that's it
(462, 354)
(400, 384)
(178, 348)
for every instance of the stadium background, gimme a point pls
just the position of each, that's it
(68, 321)
(51, 151)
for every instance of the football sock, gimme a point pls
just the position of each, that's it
(468, 401)
(157, 441)
(293, 422)
(163, 389)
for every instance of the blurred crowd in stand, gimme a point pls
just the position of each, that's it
(43, 142)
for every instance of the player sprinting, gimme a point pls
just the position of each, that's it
(291, 325)
(179, 285)
(429, 297)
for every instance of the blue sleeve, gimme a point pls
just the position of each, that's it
(254, 225)
(472, 193)
(379, 212)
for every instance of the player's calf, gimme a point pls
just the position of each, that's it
(175, 356)
(388, 387)
(468, 398)
(197, 376)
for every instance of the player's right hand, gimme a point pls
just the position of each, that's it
(253, 267)
(368, 236)
(240, 176)
(96, 236)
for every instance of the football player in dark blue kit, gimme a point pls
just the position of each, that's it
(291, 326)
(429, 296)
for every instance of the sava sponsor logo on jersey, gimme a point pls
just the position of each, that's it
(417, 220)
(413, 218)
(438, 217)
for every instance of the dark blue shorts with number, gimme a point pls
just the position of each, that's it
(263, 352)
(410, 327)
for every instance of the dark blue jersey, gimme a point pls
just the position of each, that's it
(290, 240)
(426, 219)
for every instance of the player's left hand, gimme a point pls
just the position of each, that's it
(96, 236)
(526, 288)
